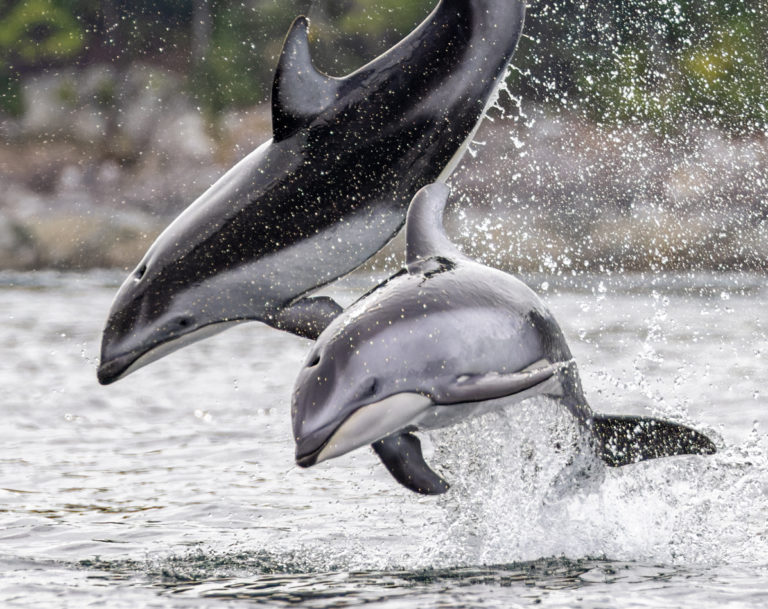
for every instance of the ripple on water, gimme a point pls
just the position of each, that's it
(184, 484)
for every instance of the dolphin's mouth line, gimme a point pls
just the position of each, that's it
(309, 459)
(114, 368)
(119, 366)
(364, 425)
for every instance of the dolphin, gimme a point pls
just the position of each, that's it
(327, 192)
(444, 339)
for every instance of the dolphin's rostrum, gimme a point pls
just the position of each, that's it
(444, 339)
(324, 195)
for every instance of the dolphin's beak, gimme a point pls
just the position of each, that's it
(117, 354)
(365, 425)
(116, 365)
(113, 369)
(308, 446)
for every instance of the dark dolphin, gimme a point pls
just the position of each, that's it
(324, 195)
(444, 339)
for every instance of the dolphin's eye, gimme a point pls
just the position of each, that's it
(182, 322)
(373, 386)
(314, 361)
(140, 272)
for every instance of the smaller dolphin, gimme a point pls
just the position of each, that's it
(444, 339)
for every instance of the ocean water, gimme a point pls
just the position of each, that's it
(176, 486)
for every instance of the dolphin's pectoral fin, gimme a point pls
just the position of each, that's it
(401, 455)
(307, 317)
(623, 440)
(299, 91)
(480, 387)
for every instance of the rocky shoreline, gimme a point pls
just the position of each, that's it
(101, 161)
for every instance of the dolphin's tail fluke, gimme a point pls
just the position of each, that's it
(623, 440)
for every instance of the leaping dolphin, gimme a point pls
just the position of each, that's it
(324, 194)
(445, 339)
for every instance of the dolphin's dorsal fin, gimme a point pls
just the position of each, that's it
(424, 232)
(299, 92)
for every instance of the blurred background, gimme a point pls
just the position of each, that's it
(630, 135)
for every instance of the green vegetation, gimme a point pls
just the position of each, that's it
(653, 62)
(39, 31)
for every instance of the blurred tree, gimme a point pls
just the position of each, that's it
(246, 38)
(202, 29)
(33, 33)
(348, 33)
(38, 31)
(659, 63)
(651, 62)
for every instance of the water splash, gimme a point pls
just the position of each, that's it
(525, 486)
(523, 489)
(505, 468)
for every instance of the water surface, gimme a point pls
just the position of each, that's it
(176, 487)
